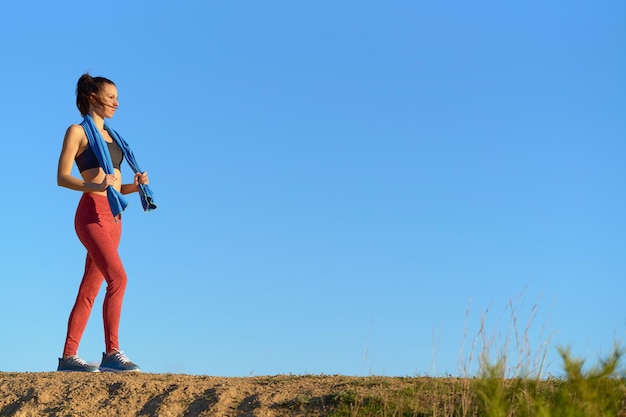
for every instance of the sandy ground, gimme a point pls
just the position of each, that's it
(142, 394)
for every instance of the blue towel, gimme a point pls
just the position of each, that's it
(116, 200)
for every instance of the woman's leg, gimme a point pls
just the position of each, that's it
(100, 234)
(87, 293)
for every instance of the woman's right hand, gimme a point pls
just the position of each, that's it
(109, 179)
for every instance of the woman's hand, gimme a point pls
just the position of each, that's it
(109, 179)
(141, 178)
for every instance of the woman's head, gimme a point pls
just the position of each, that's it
(98, 92)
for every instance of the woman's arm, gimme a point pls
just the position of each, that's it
(139, 178)
(71, 144)
(129, 188)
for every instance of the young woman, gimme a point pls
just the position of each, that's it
(98, 229)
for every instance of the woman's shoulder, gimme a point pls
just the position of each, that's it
(75, 133)
(75, 130)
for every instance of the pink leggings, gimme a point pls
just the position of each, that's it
(100, 234)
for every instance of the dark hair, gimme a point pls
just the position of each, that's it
(85, 87)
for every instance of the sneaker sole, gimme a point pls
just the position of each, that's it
(75, 370)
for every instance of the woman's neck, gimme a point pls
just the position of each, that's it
(97, 119)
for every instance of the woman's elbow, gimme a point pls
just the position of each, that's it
(61, 180)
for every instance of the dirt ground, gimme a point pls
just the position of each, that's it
(142, 394)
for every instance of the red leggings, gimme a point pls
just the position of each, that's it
(100, 234)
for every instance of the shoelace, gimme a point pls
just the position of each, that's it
(77, 360)
(121, 357)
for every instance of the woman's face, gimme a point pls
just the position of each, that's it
(105, 102)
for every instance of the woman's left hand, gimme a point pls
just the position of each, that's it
(141, 178)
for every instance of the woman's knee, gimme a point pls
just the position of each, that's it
(117, 281)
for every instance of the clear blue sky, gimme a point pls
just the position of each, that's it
(345, 187)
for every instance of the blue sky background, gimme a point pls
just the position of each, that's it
(346, 187)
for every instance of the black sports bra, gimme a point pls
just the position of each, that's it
(87, 159)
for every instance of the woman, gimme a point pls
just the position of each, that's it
(98, 229)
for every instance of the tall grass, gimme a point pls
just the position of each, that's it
(503, 376)
(509, 344)
(598, 391)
